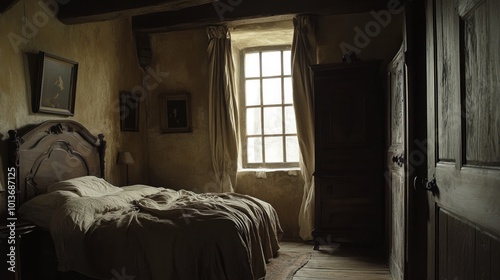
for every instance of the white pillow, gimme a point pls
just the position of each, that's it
(40, 208)
(85, 186)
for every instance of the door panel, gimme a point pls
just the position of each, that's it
(396, 153)
(464, 128)
(471, 248)
(481, 84)
(447, 72)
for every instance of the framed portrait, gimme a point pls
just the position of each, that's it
(56, 85)
(129, 111)
(175, 113)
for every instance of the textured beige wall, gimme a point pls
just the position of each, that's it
(381, 41)
(282, 189)
(181, 160)
(106, 56)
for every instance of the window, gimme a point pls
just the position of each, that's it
(270, 133)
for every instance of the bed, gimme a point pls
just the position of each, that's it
(133, 232)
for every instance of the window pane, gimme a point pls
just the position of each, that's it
(252, 65)
(271, 91)
(290, 124)
(288, 90)
(271, 64)
(253, 121)
(273, 123)
(292, 149)
(254, 150)
(252, 92)
(287, 63)
(274, 149)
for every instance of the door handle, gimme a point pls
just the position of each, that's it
(426, 184)
(399, 160)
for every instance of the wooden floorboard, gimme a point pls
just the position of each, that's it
(340, 261)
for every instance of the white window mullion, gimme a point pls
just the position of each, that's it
(283, 119)
(262, 111)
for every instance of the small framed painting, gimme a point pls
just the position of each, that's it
(56, 85)
(129, 111)
(175, 113)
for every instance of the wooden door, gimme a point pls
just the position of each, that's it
(463, 92)
(395, 175)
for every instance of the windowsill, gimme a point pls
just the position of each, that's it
(263, 173)
(284, 169)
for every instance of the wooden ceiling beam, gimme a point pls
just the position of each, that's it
(83, 11)
(231, 10)
(5, 5)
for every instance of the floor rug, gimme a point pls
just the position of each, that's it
(285, 265)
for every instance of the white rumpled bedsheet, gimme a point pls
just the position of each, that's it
(156, 233)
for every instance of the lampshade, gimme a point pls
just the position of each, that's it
(125, 158)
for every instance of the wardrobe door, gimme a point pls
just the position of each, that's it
(349, 152)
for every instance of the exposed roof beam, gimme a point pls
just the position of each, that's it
(231, 10)
(82, 11)
(5, 5)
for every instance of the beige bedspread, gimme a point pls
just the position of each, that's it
(156, 233)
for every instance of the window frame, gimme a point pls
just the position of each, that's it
(243, 107)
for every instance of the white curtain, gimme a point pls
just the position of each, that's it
(303, 55)
(223, 113)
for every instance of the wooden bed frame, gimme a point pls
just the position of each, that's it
(53, 151)
(43, 154)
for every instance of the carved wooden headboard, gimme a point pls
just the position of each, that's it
(53, 151)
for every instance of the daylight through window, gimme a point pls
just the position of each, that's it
(271, 133)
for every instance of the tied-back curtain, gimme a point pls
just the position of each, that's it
(303, 55)
(222, 108)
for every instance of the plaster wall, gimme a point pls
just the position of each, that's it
(365, 33)
(107, 64)
(180, 160)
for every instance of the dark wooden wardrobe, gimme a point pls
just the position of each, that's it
(349, 152)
